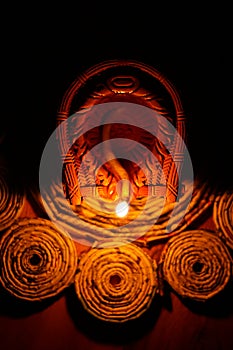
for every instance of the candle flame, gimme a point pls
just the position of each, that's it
(122, 209)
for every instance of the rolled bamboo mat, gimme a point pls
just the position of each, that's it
(196, 264)
(223, 217)
(37, 260)
(116, 283)
(11, 199)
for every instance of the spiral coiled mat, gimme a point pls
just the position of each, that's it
(37, 260)
(223, 217)
(11, 199)
(196, 264)
(156, 222)
(116, 283)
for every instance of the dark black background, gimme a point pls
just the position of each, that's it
(44, 49)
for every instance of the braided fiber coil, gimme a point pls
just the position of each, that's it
(223, 217)
(116, 284)
(11, 200)
(157, 222)
(196, 264)
(37, 261)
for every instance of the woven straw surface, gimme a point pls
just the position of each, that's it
(223, 217)
(116, 284)
(37, 261)
(147, 221)
(11, 200)
(196, 264)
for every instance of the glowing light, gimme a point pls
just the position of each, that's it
(122, 209)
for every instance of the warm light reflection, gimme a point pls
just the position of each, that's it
(122, 209)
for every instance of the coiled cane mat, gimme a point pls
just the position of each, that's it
(196, 264)
(116, 283)
(223, 217)
(11, 200)
(37, 260)
(157, 222)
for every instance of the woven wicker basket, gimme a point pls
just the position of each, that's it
(124, 81)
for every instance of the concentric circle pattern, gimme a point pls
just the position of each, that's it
(196, 264)
(37, 261)
(11, 200)
(223, 217)
(116, 284)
